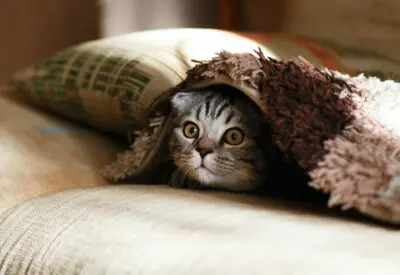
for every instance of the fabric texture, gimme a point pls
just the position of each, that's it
(110, 83)
(47, 228)
(339, 129)
(42, 154)
(336, 127)
(160, 230)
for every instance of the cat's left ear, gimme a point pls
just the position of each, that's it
(180, 101)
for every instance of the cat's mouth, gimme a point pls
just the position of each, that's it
(203, 168)
(205, 175)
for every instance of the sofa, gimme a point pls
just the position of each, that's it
(58, 215)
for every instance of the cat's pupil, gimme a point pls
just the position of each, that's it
(234, 136)
(192, 130)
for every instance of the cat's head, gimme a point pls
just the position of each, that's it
(217, 138)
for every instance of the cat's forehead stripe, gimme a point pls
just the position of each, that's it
(221, 109)
(198, 112)
(215, 103)
(229, 117)
(219, 102)
(208, 100)
(208, 103)
(214, 106)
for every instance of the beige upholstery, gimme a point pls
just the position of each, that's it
(103, 229)
(159, 230)
(41, 154)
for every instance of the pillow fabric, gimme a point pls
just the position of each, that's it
(111, 83)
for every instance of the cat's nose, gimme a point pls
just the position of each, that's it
(204, 147)
(204, 151)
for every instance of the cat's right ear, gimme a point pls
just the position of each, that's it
(180, 101)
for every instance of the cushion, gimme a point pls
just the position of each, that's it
(112, 82)
(41, 154)
(161, 230)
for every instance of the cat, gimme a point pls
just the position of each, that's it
(218, 140)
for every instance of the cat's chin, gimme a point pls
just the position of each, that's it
(206, 177)
(209, 179)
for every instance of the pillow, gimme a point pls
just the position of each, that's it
(111, 83)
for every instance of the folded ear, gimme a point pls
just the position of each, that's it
(181, 100)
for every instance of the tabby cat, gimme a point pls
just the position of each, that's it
(218, 140)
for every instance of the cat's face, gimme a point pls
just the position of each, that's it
(215, 140)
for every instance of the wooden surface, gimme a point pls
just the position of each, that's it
(31, 30)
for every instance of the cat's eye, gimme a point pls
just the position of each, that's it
(233, 136)
(190, 130)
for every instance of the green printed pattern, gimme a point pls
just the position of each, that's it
(59, 81)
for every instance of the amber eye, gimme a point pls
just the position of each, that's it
(234, 136)
(190, 130)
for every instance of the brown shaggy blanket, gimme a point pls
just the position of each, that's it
(341, 130)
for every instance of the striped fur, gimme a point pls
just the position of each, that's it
(215, 110)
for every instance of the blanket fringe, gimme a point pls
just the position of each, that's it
(129, 163)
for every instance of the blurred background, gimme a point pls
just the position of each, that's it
(33, 29)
